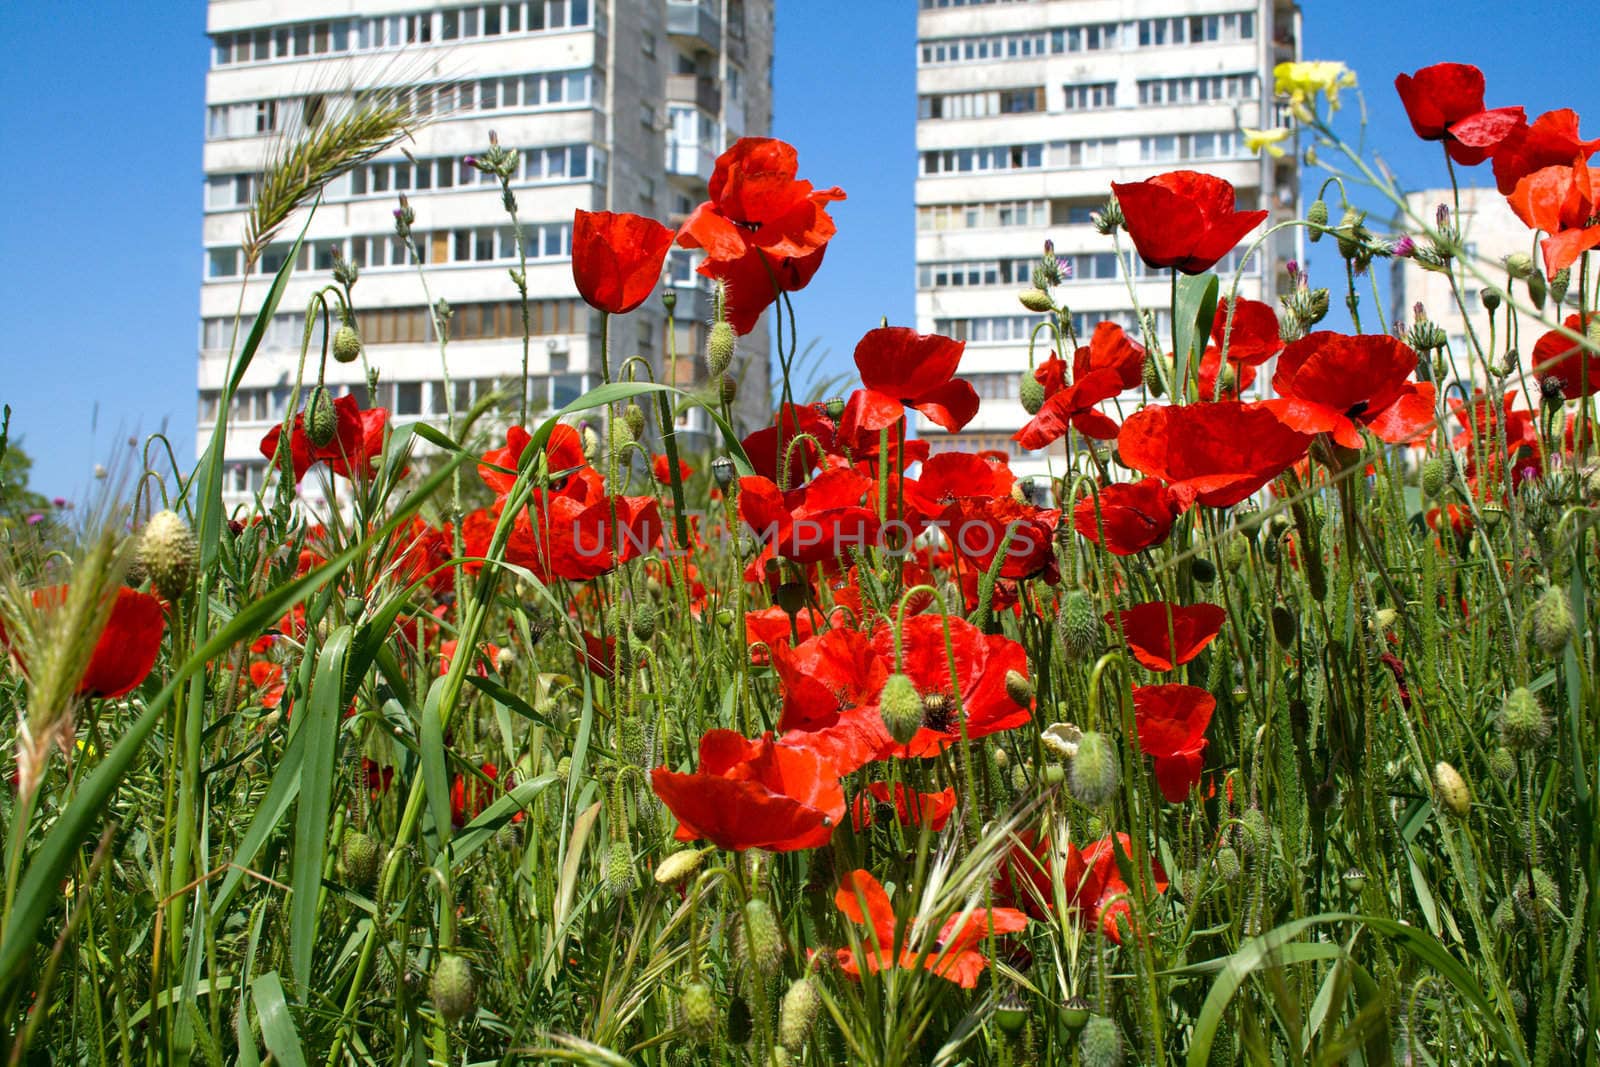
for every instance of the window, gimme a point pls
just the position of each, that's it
(1093, 153)
(1090, 97)
(1202, 89)
(222, 262)
(999, 214)
(986, 158)
(1207, 144)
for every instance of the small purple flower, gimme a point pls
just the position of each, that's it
(35, 519)
(1441, 216)
(1405, 247)
(60, 501)
(1293, 269)
(471, 161)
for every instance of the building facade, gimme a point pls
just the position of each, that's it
(619, 105)
(1028, 110)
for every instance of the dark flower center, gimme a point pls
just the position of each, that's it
(938, 711)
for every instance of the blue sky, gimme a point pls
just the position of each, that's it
(104, 111)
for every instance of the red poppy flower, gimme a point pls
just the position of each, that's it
(563, 454)
(1445, 103)
(378, 778)
(1163, 635)
(616, 258)
(468, 799)
(599, 656)
(355, 449)
(487, 655)
(1551, 140)
(818, 522)
(1249, 332)
(1574, 366)
(953, 476)
(126, 650)
(1110, 348)
(421, 555)
(661, 469)
(1216, 453)
(1482, 424)
(1334, 384)
(1183, 219)
(782, 442)
(752, 283)
(1457, 516)
(1052, 374)
(951, 955)
(981, 662)
(1136, 515)
(1564, 203)
(900, 366)
(980, 529)
(753, 794)
(911, 808)
(1172, 721)
(1077, 407)
(830, 687)
(1091, 884)
(267, 677)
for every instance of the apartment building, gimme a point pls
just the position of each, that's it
(618, 105)
(1027, 111)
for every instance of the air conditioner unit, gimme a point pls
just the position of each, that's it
(558, 346)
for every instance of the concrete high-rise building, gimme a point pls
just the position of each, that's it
(618, 105)
(1028, 110)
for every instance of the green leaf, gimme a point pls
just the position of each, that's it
(320, 723)
(277, 1025)
(435, 778)
(273, 807)
(481, 830)
(1196, 307)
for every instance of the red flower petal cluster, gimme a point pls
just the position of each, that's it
(1162, 635)
(1552, 140)
(617, 258)
(1334, 384)
(1183, 219)
(1172, 721)
(952, 955)
(1445, 103)
(354, 451)
(1136, 515)
(1557, 356)
(1089, 880)
(1216, 453)
(900, 366)
(910, 807)
(1564, 202)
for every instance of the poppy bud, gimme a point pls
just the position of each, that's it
(1036, 300)
(679, 866)
(740, 1025)
(346, 344)
(1522, 721)
(791, 597)
(1153, 382)
(1030, 392)
(1550, 621)
(590, 442)
(452, 989)
(1227, 861)
(1437, 473)
(1100, 1044)
(321, 423)
(763, 939)
(1075, 1013)
(1536, 289)
(697, 1012)
(728, 389)
(620, 878)
(797, 1012)
(1502, 764)
(1490, 298)
(1519, 265)
(1508, 362)
(167, 554)
(1558, 284)
(644, 620)
(1536, 895)
(719, 348)
(1254, 832)
(1078, 627)
(901, 708)
(1093, 777)
(1317, 215)
(633, 418)
(1284, 625)
(1019, 688)
(1204, 571)
(1451, 789)
(358, 858)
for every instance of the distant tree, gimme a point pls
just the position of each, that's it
(17, 501)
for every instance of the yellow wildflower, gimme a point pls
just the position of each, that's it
(1268, 140)
(1302, 82)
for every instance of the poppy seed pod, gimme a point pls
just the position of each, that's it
(346, 344)
(358, 858)
(1100, 1044)
(1522, 721)
(1030, 391)
(797, 1013)
(901, 708)
(1451, 789)
(167, 554)
(1075, 1013)
(322, 422)
(697, 1012)
(452, 988)
(719, 348)
(763, 938)
(1550, 621)
(1354, 881)
(1093, 776)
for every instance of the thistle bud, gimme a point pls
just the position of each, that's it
(1077, 626)
(1523, 724)
(346, 344)
(167, 554)
(1317, 215)
(901, 708)
(1519, 265)
(1036, 300)
(763, 939)
(1451, 789)
(1100, 1044)
(1019, 688)
(697, 1012)
(1109, 219)
(452, 989)
(358, 858)
(321, 422)
(633, 418)
(1550, 621)
(1093, 776)
(719, 348)
(797, 1012)
(1031, 392)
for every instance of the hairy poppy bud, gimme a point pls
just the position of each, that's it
(1550, 621)
(1019, 688)
(1522, 721)
(1437, 473)
(619, 877)
(1093, 776)
(1152, 375)
(452, 989)
(1030, 392)
(321, 422)
(346, 344)
(679, 866)
(797, 1012)
(633, 419)
(1284, 625)
(1536, 289)
(590, 441)
(1519, 265)
(1036, 300)
(1451, 789)
(1100, 1044)
(1204, 571)
(1558, 284)
(763, 938)
(1536, 895)
(1317, 215)
(1227, 861)
(719, 348)
(1502, 763)
(167, 554)
(358, 858)
(901, 708)
(728, 389)
(1254, 832)
(697, 1012)
(644, 619)
(1078, 627)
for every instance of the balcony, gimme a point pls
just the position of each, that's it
(696, 22)
(697, 90)
(690, 158)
